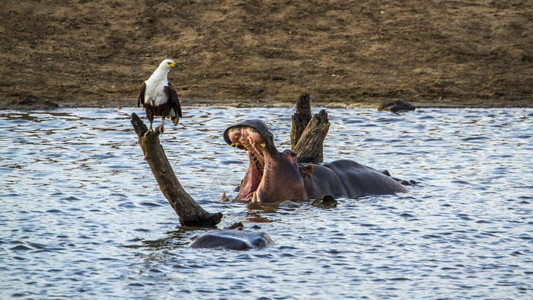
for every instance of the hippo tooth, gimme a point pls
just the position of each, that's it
(263, 144)
(237, 136)
(254, 198)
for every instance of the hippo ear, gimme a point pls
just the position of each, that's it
(306, 170)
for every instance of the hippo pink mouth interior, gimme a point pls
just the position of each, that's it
(249, 139)
(274, 176)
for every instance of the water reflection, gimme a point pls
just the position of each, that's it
(83, 217)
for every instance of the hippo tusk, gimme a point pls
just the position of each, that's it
(251, 141)
(263, 144)
(254, 198)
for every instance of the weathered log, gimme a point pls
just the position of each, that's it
(310, 147)
(190, 213)
(308, 143)
(300, 118)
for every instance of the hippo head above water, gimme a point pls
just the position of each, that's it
(274, 176)
(270, 172)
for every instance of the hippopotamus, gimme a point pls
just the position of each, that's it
(274, 176)
(396, 106)
(232, 238)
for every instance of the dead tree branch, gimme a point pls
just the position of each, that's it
(300, 118)
(189, 212)
(308, 142)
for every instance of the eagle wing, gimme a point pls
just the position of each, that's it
(173, 98)
(141, 94)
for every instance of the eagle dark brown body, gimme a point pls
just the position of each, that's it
(159, 98)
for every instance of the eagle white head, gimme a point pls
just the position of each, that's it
(160, 74)
(167, 64)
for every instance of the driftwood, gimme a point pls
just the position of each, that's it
(190, 213)
(300, 118)
(308, 133)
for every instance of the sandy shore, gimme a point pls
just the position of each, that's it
(372, 103)
(344, 53)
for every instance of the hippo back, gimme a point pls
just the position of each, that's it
(360, 180)
(232, 239)
(323, 181)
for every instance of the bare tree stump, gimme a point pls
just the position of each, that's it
(189, 212)
(308, 133)
(300, 118)
(310, 147)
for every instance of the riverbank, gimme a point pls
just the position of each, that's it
(344, 53)
(32, 103)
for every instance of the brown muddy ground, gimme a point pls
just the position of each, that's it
(353, 53)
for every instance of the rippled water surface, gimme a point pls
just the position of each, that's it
(81, 215)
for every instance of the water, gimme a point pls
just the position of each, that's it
(81, 215)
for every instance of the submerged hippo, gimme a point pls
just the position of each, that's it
(396, 106)
(232, 240)
(235, 237)
(276, 176)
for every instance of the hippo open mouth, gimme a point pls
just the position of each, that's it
(255, 138)
(274, 176)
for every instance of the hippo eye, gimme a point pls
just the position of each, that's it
(293, 154)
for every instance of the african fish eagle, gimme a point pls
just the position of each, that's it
(159, 97)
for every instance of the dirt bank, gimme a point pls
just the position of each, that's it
(443, 53)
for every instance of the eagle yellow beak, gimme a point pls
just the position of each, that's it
(172, 64)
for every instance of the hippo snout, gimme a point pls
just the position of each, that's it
(250, 131)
